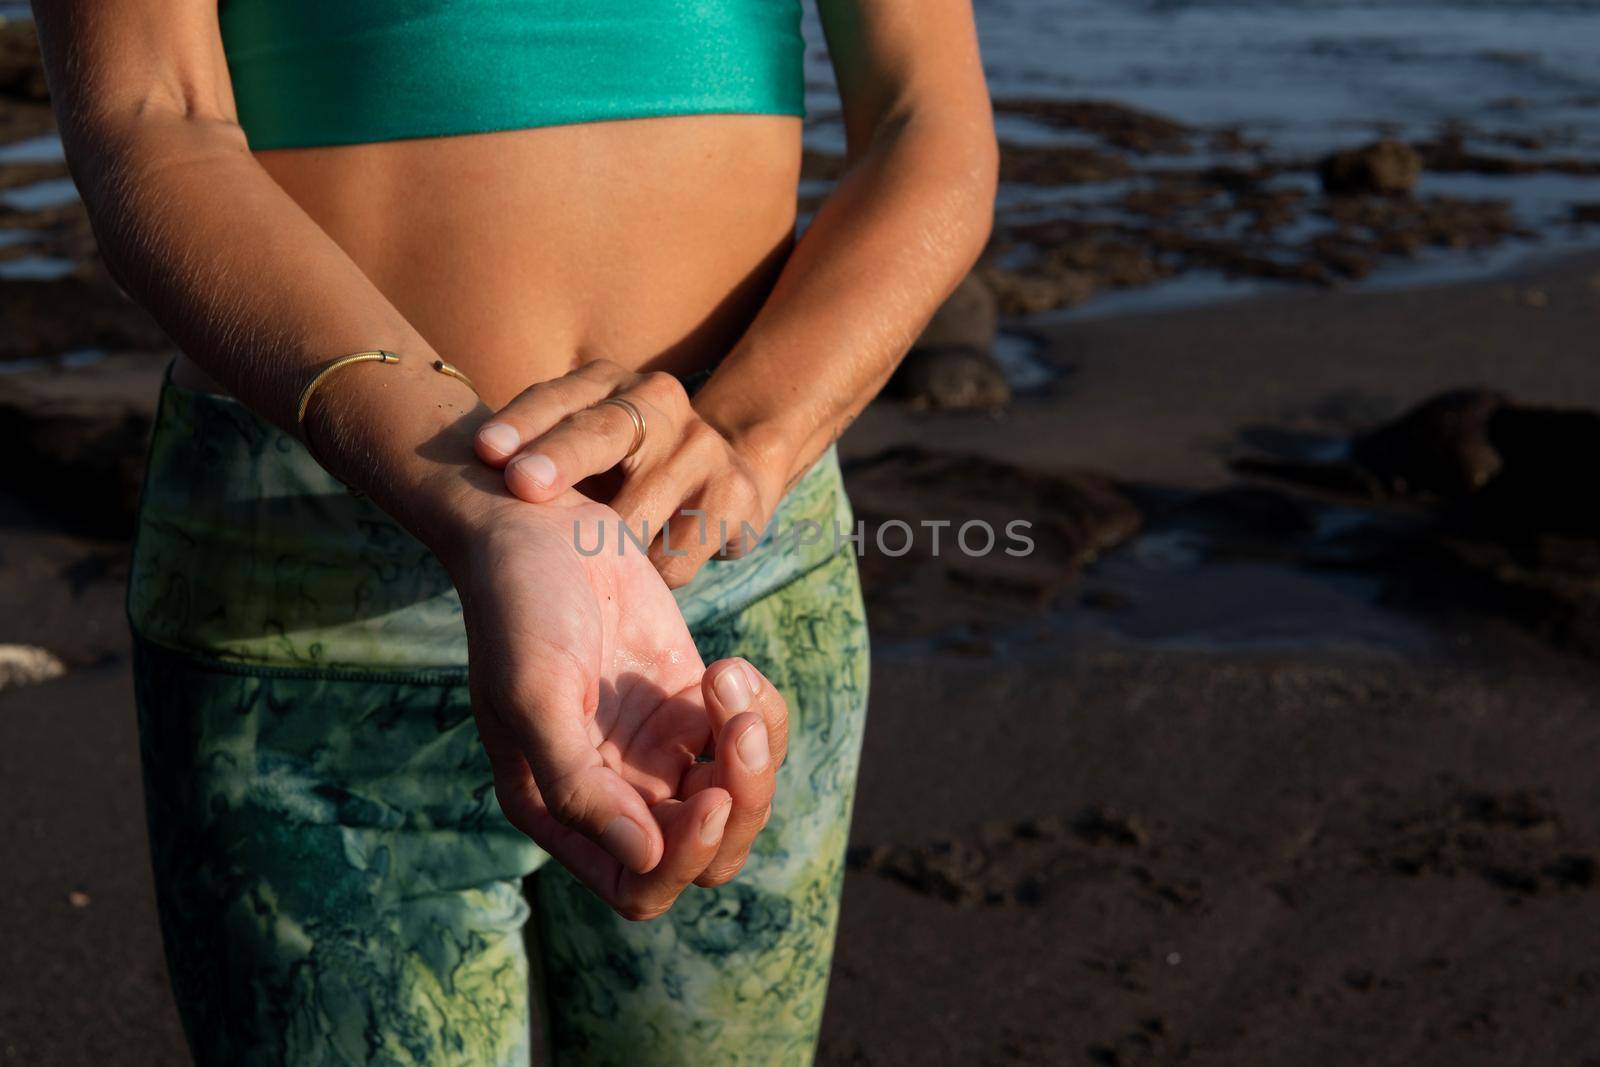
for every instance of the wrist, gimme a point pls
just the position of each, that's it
(452, 504)
(459, 506)
(402, 434)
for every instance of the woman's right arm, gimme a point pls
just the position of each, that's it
(257, 294)
(237, 274)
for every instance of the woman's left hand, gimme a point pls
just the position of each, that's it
(687, 488)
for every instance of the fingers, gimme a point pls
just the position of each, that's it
(728, 694)
(723, 521)
(688, 539)
(692, 831)
(655, 757)
(589, 439)
(744, 768)
(617, 823)
(752, 741)
(648, 504)
(545, 725)
(720, 523)
(705, 837)
(540, 407)
(585, 443)
(683, 492)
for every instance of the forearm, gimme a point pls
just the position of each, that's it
(260, 297)
(890, 243)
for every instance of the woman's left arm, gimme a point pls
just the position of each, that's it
(903, 226)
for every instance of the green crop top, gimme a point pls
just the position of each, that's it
(327, 72)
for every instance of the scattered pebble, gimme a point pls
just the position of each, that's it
(28, 665)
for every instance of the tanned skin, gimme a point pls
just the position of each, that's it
(555, 266)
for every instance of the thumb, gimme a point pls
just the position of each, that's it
(548, 775)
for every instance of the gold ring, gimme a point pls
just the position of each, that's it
(633, 413)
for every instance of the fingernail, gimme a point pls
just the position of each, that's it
(752, 674)
(733, 689)
(753, 747)
(711, 829)
(500, 437)
(626, 841)
(539, 469)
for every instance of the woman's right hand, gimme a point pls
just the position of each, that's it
(593, 705)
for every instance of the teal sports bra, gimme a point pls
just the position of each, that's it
(329, 72)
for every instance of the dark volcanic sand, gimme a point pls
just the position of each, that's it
(1228, 813)
(1281, 825)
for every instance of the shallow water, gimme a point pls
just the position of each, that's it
(1305, 74)
(37, 196)
(1301, 77)
(45, 148)
(36, 268)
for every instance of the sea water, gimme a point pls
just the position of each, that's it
(1306, 75)
(1300, 78)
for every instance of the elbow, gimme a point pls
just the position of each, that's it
(981, 149)
(126, 137)
(125, 163)
(977, 184)
(986, 166)
(115, 155)
(948, 151)
(959, 145)
(954, 160)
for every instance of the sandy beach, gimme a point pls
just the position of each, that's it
(1240, 805)
(1257, 811)
(1278, 749)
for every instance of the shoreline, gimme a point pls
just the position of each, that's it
(1503, 263)
(1105, 209)
(1279, 738)
(1128, 840)
(1108, 353)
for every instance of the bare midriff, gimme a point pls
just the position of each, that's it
(522, 254)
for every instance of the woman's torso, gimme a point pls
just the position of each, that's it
(520, 254)
(552, 239)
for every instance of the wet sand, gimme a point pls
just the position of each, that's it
(1220, 805)
(1262, 758)
(1256, 811)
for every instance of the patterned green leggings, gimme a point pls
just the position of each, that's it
(336, 882)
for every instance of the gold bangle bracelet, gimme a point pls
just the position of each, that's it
(450, 371)
(372, 355)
